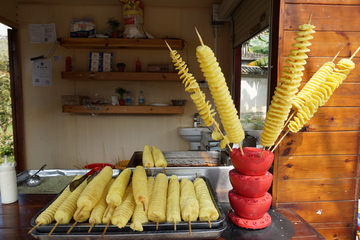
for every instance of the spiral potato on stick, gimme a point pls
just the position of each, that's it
(321, 95)
(220, 93)
(288, 85)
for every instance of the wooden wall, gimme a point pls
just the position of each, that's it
(316, 171)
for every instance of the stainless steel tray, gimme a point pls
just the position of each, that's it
(187, 158)
(199, 229)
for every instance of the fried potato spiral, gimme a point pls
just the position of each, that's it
(318, 78)
(288, 85)
(321, 95)
(220, 93)
(192, 86)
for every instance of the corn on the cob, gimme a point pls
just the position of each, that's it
(47, 216)
(321, 95)
(189, 205)
(140, 216)
(140, 191)
(94, 190)
(147, 158)
(118, 188)
(123, 213)
(288, 86)
(207, 207)
(157, 205)
(66, 210)
(173, 201)
(220, 93)
(159, 158)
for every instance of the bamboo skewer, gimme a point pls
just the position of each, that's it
(280, 140)
(357, 50)
(189, 224)
(262, 150)
(52, 230)
(157, 223)
(34, 228)
(107, 225)
(174, 225)
(72, 227)
(209, 222)
(91, 227)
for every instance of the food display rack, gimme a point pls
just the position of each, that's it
(199, 229)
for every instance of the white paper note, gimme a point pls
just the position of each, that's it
(42, 33)
(42, 73)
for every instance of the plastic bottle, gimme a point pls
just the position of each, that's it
(68, 64)
(141, 99)
(8, 185)
(128, 99)
(138, 65)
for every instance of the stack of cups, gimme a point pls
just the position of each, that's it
(8, 185)
(251, 181)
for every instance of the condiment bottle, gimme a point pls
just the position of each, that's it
(68, 64)
(8, 185)
(138, 66)
(141, 99)
(128, 99)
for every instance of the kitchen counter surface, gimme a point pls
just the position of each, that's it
(15, 218)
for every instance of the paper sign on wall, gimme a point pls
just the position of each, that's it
(42, 73)
(42, 33)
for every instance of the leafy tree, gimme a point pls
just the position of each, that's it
(260, 45)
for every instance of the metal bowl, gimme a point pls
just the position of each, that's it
(178, 102)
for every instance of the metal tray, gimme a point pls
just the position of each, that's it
(187, 158)
(199, 229)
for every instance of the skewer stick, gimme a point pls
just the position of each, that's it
(72, 227)
(309, 20)
(165, 170)
(107, 225)
(157, 223)
(108, 209)
(57, 223)
(209, 222)
(91, 227)
(262, 150)
(222, 135)
(197, 175)
(335, 56)
(355, 53)
(143, 203)
(200, 39)
(148, 169)
(34, 228)
(189, 224)
(174, 225)
(280, 140)
(80, 211)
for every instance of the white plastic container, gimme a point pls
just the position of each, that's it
(8, 185)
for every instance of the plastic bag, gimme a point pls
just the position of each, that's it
(133, 12)
(82, 28)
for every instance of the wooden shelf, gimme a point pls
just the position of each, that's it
(121, 43)
(125, 109)
(121, 76)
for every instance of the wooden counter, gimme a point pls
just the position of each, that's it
(15, 218)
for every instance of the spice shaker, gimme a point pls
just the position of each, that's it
(8, 185)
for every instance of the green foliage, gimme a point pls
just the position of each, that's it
(5, 101)
(7, 146)
(255, 118)
(261, 62)
(113, 23)
(260, 44)
(120, 65)
(120, 91)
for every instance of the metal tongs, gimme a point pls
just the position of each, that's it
(89, 176)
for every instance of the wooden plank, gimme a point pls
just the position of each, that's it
(121, 76)
(328, 189)
(324, 17)
(336, 233)
(125, 109)
(347, 95)
(327, 44)
(334, 119)
(336, 212)
(320, 143)
(116, 43)
(337, 2)
(333, 166)
(314, 63)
